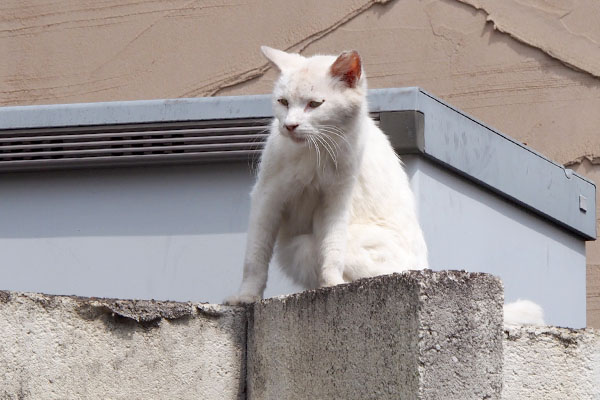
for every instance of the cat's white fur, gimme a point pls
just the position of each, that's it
(523, 312)
(332, 200)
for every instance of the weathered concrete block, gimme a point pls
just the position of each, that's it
(418, 335)
(56, 347)
(551, 363)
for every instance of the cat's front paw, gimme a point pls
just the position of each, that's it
(331, 279)
(241, 299)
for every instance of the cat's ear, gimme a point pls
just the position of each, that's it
(347, 68)
(280, 59)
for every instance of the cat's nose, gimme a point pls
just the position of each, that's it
(291, 127)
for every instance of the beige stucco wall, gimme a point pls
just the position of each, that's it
(530, 69)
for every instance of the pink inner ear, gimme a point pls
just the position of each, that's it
(347, 68)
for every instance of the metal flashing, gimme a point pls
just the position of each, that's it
(220, 129)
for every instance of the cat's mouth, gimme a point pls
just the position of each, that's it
(296, 138)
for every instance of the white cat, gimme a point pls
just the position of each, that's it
(332, 200)
(523, 312)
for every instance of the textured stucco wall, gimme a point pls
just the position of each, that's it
(56, 347)
(551, 363)
(529, 68)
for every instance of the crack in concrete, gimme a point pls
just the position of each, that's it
(559, 54)
(214, 88)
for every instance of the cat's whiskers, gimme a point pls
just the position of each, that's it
(312, 140)
(256, 143)
(333, 142)
(335, 131)
(310, 145)
(327, 146)
(333, 136)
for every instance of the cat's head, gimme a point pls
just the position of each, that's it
(318, 95)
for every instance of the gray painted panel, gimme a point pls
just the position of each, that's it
(468, 227)
(173, 233)
(179, 233)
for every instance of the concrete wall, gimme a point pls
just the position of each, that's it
(529, 69)
(551, 363)
(80, 348)
(420, 335)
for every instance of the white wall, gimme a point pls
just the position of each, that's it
(171, 232)
(468, 227)
(178, 233)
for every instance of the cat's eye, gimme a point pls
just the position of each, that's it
(315, 104)
(283, 102)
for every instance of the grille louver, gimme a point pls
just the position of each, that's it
(134, 144)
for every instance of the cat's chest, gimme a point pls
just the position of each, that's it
(310, 176)
(302, 207)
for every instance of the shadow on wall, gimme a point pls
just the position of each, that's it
(158, 200)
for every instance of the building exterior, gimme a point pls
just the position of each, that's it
(531, 71)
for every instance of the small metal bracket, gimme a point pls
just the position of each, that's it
(582, 203)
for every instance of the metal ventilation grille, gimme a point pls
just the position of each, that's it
(110, 145)
(134, 144)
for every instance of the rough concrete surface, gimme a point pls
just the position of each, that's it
(551, 363)
(57, 347)
(418, 335)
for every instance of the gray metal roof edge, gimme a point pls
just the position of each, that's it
(138, 111)
(497, 132)
(506, 166)
(163, 110)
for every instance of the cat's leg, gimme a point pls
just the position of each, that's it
(298, 258)
(265, 217)
(331, 230)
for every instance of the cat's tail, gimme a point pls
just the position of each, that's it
(523, 312)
